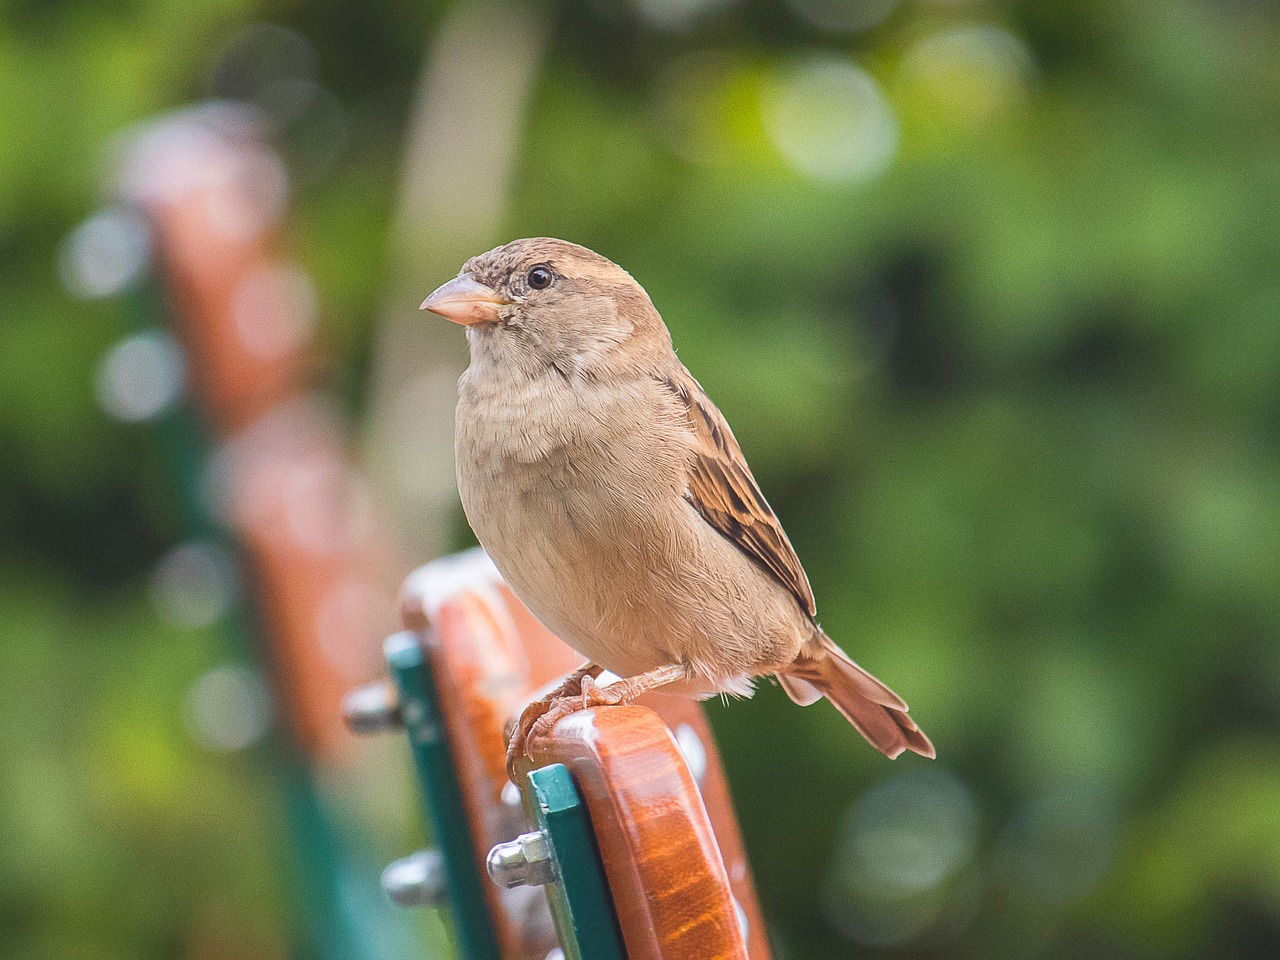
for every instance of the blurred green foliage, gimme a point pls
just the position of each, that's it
(1012, 385)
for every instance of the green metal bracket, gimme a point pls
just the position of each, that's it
(442, 796)
(580, 902)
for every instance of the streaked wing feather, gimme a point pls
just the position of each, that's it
(723, 491)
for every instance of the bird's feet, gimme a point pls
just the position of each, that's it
(540, 716)
(518, 735)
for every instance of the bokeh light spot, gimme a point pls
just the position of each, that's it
(900, 844)
(970, 74)
(194, 585)
(105, 254)
(229, 708)
(830, 121)
(141, 377)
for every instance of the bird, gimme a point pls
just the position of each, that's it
(613, 498)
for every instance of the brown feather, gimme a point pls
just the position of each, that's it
(722, 489)
(876, 711)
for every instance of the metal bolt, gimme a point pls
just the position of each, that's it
(524, 861)
(417, 880)
(695, 753)
(510, 795)
(372, 708)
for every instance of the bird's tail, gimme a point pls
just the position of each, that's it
(876, 712)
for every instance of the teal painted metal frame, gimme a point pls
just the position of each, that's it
(580, 902)
(442, 796)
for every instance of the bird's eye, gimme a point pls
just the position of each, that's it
(540, 278)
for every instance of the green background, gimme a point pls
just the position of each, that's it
(1005, 359)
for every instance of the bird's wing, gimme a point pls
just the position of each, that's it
(722, 489)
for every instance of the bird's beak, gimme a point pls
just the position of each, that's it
(466, 301)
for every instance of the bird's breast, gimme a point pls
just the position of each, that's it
(568, 487)
(606, 450)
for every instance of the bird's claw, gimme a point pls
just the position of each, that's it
(517, 743)
(540, 717)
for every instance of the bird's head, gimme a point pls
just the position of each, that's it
(550, 302)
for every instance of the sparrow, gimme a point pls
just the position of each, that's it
(612, 496)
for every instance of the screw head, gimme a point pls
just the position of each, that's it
(695, 752)
(372, 708)
(417, 880)
(524, 861)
